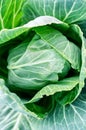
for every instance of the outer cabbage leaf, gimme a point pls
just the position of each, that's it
(83, 68)
(10, 13)
(8, 34)
(82, 25)
(69, 11)
(14, 116)
(11, 100)
(14, 112)
(66, 84)
(61, 44)
(77, 31)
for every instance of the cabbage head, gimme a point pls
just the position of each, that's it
(46, 58)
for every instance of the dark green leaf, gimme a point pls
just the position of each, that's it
(10, 13)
